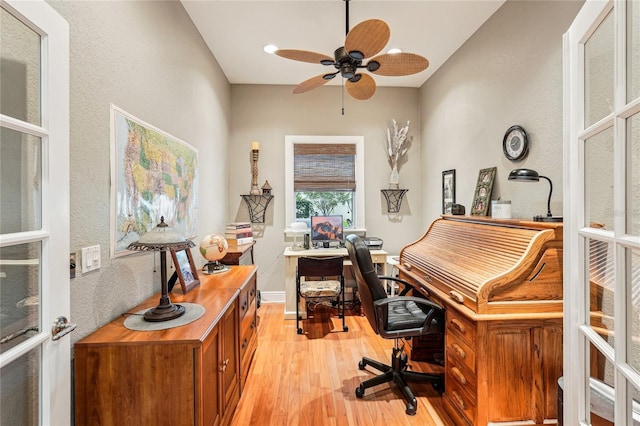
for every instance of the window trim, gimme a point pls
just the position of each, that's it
(291, 140)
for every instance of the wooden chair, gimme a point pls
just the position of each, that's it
(313, 285)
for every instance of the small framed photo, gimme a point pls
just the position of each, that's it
(185, 269)
(482, 196)
(448, 190)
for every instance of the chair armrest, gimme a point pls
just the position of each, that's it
(407, 286)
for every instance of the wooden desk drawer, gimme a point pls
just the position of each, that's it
(461, 326)
(461, 403)
(458, 375)
(459, 349)
(247, 328)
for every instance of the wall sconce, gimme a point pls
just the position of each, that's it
(528, 175)
(162, 238)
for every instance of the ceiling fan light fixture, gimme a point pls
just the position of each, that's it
(329, 76)
(356, 78)
(327, 62)
(373, 66)
(357, 55)
(270, 48)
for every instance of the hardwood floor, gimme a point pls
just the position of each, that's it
(310, 379)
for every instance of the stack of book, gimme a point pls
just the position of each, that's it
(239, 233)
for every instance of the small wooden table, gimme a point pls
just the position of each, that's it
(239, 254)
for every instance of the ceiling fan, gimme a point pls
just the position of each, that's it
(364, 41)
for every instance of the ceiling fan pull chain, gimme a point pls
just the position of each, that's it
(342, 91)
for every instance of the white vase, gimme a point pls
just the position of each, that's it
(394, 179)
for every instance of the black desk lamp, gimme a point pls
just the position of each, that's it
(162, 238)
(528, 175)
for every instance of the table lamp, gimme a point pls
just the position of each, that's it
(528, 175)
(162, 238)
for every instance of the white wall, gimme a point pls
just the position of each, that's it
(268, 113)
(509, 72)
(146, 58)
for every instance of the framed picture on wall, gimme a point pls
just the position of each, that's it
(185, 269)
(448, 190)
(482, 195)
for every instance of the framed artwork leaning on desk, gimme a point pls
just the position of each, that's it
(185, 269)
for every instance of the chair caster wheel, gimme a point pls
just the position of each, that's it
(300, 331)
(411, 410)
(361, 365)
(345, 328)
(359, 392)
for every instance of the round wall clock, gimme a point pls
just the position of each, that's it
(515, 144)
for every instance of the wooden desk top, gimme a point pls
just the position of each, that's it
(215, 293)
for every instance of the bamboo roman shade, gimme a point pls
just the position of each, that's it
(324, 167)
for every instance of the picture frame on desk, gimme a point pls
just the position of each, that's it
(186, 270)
(448, 190)
(482, 195)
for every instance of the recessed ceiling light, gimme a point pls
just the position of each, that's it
(394, 50)
(270, 48)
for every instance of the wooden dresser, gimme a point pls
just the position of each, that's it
(239, 254)
(500, 283)
(187, 375)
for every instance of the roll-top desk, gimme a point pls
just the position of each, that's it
(500, 283)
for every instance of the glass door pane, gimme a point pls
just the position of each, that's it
(633, 173)
(633, 50)
(20, 70)
(598, 73)
(20, 182)
(598, 158)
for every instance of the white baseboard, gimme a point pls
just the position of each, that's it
(272, 296)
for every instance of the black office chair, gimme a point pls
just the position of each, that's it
(393, 318)
(313, 286)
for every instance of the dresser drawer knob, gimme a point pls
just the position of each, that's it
(458, 325)
(459, 376)
(458, 399)
(224, 365)
(457, 349)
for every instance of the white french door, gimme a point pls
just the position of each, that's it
(34, 215)
(602, 215)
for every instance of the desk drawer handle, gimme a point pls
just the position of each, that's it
(456, 296)
(224, 365)
(457, 349)
(457, 324)
(459, 400)
(458, 375)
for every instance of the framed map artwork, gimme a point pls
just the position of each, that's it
(153, 174)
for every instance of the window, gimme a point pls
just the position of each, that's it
(325, 175)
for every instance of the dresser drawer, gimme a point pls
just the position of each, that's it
(247, 329)
(461, 327)
(464, 406)
(460, 376)
(458, 348)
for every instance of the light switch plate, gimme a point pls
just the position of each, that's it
(90, 258)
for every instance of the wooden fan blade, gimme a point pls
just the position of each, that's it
(395, 64)
(363, 89)
(303, 55)
(368, 37)
(310, 84)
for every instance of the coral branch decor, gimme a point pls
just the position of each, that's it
(397, 146)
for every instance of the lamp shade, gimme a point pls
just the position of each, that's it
(524, 175)
(162, 237)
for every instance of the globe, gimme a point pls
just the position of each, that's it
(213, 247)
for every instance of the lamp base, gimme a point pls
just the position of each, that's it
(541, 218)
(164, 313)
